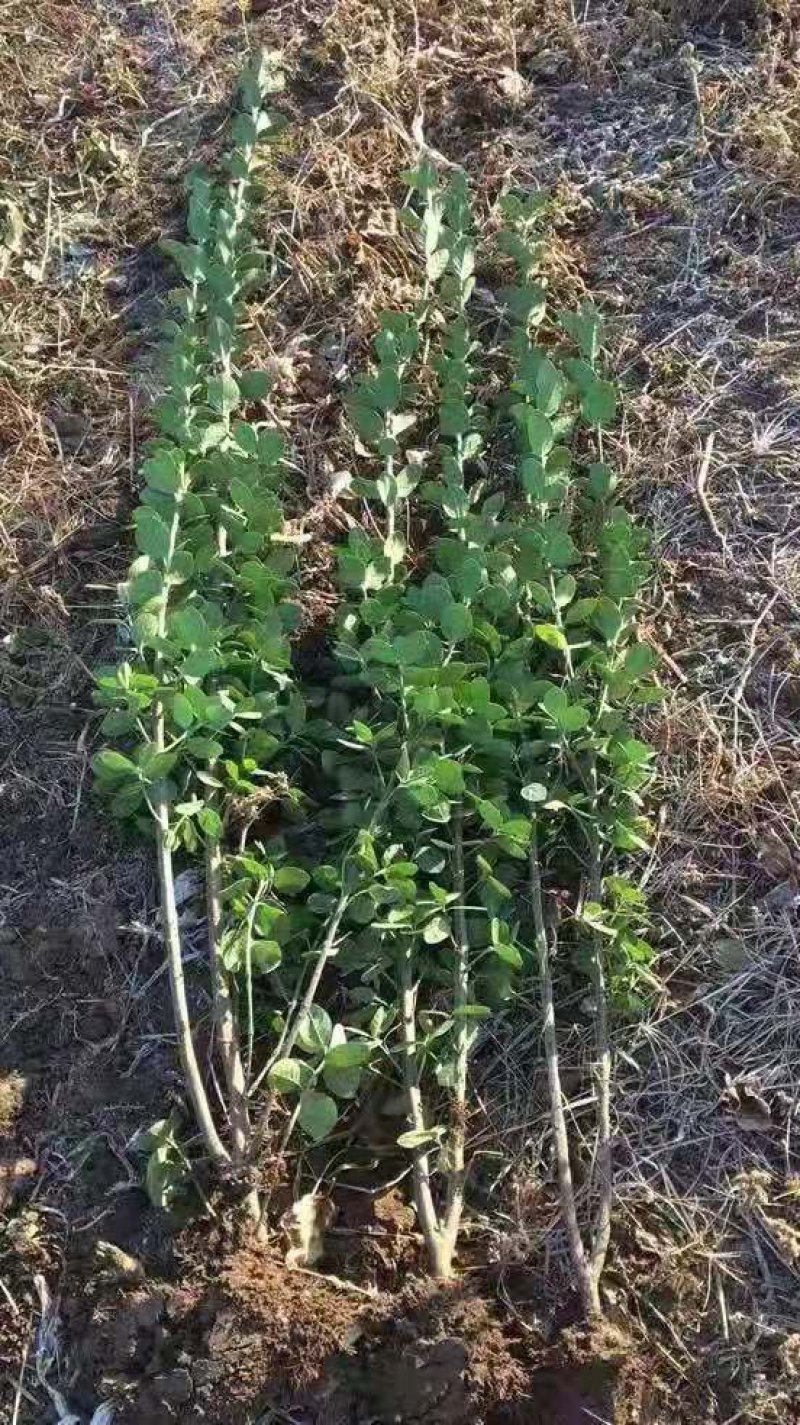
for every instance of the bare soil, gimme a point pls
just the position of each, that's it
(677, 174)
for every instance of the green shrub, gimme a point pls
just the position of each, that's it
(469, 762)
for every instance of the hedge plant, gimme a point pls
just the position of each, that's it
(455, 796)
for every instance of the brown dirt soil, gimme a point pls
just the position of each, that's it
(230, 1345)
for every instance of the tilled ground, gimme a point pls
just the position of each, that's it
(673, 154)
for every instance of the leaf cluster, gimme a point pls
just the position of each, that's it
(480, 692)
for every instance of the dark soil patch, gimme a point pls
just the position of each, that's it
(228, 1346)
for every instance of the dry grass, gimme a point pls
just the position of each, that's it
(682, 218)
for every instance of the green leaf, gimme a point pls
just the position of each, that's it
(182, 711)
(291, 879)
(110, 763)
(210, 822)
(632, 751)
(420, 1137)
(565, 591)
(600, 482)
(421, 179)
(163, 472)
(265, 955)
(255, 385)
(454, 418)
(447, 774)
(199, 663)
(213, 436)
(244, 131)
(559, 549)
(550, 387)
(585, 329)
(316, 1028)
(290, 1076)
(430, 859)
(343, 1083)
(599, 403)
(509, 954)
(472, 1011)
(490, 814)
(223, 394)
(355, 1054)
(569, 717)
(581, 612)
(639, 660)
(318, 1115)
(527, 304)
(455, 621)
(395, 550)
(437, 930)
(608, 619)
(436, 264)
(537, 431)
(367, 422)
(551, 635)
(152, 534)
(189, 258)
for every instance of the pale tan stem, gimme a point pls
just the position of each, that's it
(586, 1286)
(169, 916)
(180, 1008)
(456, 1171)
(601, 1227)
(225, 1021)
(421, 1169)
(299, 1010)
(600, 1232)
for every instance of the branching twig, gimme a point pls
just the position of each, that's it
(298, 1013)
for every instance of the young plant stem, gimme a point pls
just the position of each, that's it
(172, 944)
(600, 1232)
(456, 1149)
(601, 1229)
(298, 1011)
(421, 1169)
(225, 1023)
(587, 1286)
(248, 962)
(169, 911)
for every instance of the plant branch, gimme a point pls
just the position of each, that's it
(298, 1011)
(456, 1164)
(423, 1196)
(225, 1022)
(601, 1228)
(587, 1287)
(172, 945)
(169, 911)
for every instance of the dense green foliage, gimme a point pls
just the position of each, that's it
(468, 723)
